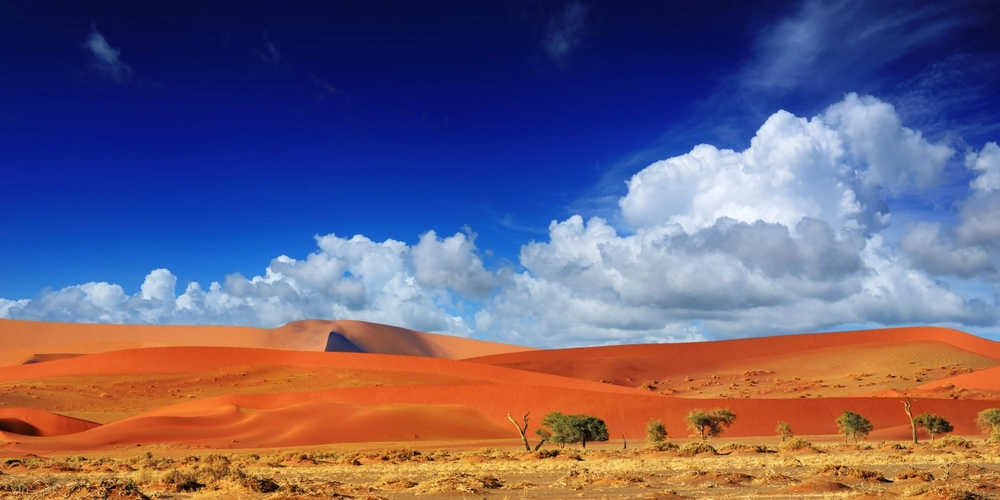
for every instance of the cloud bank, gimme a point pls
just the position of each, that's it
(787, 235)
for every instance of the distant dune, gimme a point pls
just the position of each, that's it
(317, 382)
(32, 341)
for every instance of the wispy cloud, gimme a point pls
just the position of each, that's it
(107, 59)
(268, 52)
(947, 95)
(565, 30)
(828, 41)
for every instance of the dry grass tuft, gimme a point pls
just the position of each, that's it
(954, 442)
(459, 482)
(105, 488)
(815, 485)
(744, 448)
(941, 493)
(845, 471)
(712, 478)
(797, 444)
(920, 475)
(580, 478)
(696, 448)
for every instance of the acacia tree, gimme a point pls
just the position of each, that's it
(784, 430)
(565, 429)
(989, 421)
(933, 424)
(590, 429)
(853, 425)
(656, 432)
(706, 424)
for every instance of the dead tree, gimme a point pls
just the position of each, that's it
(913, 424)
(521, 430)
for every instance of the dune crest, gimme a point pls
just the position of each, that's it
(33, 341)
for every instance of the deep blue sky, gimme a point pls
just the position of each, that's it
(220, 135)
(217, 156)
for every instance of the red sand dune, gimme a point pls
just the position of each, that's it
(28, 422)
(25, 341)
(413, 395)
(467, 412)
(820, 358)
(173, 360)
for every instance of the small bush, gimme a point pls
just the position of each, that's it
(656, 432)
(954, 442)
(547, 453)
(797, 444)
(744, 448)
(665, 446)
(845, 471)
(696, 448)
(399, 454)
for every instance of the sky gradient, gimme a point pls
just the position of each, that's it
(544, 173)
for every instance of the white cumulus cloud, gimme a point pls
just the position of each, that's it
(830, 167)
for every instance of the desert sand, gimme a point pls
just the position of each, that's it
(116, 390)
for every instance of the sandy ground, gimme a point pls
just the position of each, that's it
(944, 470)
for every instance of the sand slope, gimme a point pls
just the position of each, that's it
(31, 341)
(831, 364)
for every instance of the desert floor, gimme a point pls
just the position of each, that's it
(948, 469)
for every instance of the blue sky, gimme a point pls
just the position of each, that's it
(547, 173)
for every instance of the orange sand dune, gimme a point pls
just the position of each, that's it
(28, 422)
(174, 360)
(25, 341)
(986, 380)
(464, 412)
(248, 397)
(831, 364)
(106, 387)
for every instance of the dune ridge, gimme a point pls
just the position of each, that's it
(26, 341)
(889, 350)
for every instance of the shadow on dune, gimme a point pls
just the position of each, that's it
(41, 358)
(18, 426)
(337, 342)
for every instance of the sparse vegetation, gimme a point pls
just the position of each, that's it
(707, 424)
(784, 431)
(656, 432)
(797, 444)
(989, 421)
(933, 424)
(853, 425)
(696, 448)
(691, 472)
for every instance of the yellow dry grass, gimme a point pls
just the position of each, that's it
(890, 470)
